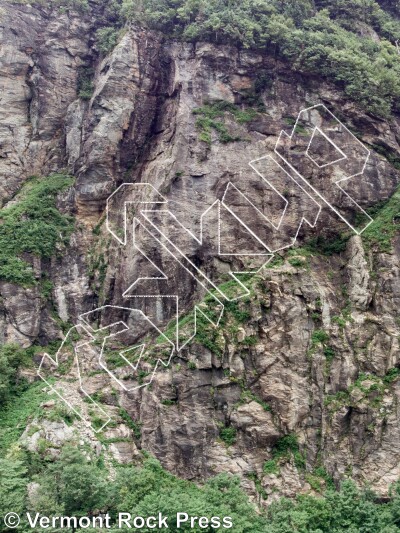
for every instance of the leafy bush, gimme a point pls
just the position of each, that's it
(11, 357)
(297, 262)
(32, 225)
(74, 485)
(85, 83)
(287, 447)
(14, 415)
(228, 435)
(134, 426)
(329, 353)
(327, 246)
(106, 39)
(319, 336)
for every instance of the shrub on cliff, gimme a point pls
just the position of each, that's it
(32, 225)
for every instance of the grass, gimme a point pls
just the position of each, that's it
(329, 353)
(271, 467)
(276, 262)
(248, 396)
(297, 262)
(211, 117)
(60, 412)
(235, 310)
(206, 334)
(33, 225)
(251, 340)
(379, 235)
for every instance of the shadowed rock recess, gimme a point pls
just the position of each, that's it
(300, 384)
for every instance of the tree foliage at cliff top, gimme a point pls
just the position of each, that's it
(331, 38)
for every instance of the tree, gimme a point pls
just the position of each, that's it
(149, 490)
(11, 357)
(74, 485)
(13, 485)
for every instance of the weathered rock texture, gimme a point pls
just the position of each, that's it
(139, 126)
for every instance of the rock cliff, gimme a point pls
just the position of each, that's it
(300, 382)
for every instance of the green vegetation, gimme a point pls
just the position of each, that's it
(369, 388)
(327, 246)
(391, 155)
(212, 338)
(150, 489)
(276, 262)
(347, 510)
(74, 485)
(60, 412)
(134, 426)
(168, 402)
(12, 486)
(286, 448)
(212, 116)
(81, 6)
(33, 225)
(248, 396)
(11, 358)
(320, 40)
(78, 484)
(85, 82)
(271, 467)
(251, 340)
(329, 353)
(319, 336)
(14, 416)
(297, 262)
(236, 311)
(379, 235)
(107, 38)
(228, 435)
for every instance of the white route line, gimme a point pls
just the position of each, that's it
(317, 130)
(304, 218)
(203, 284)
(90, 332)
(178, 255)
(280, 142)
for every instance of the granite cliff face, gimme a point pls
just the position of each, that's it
(310, 353)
